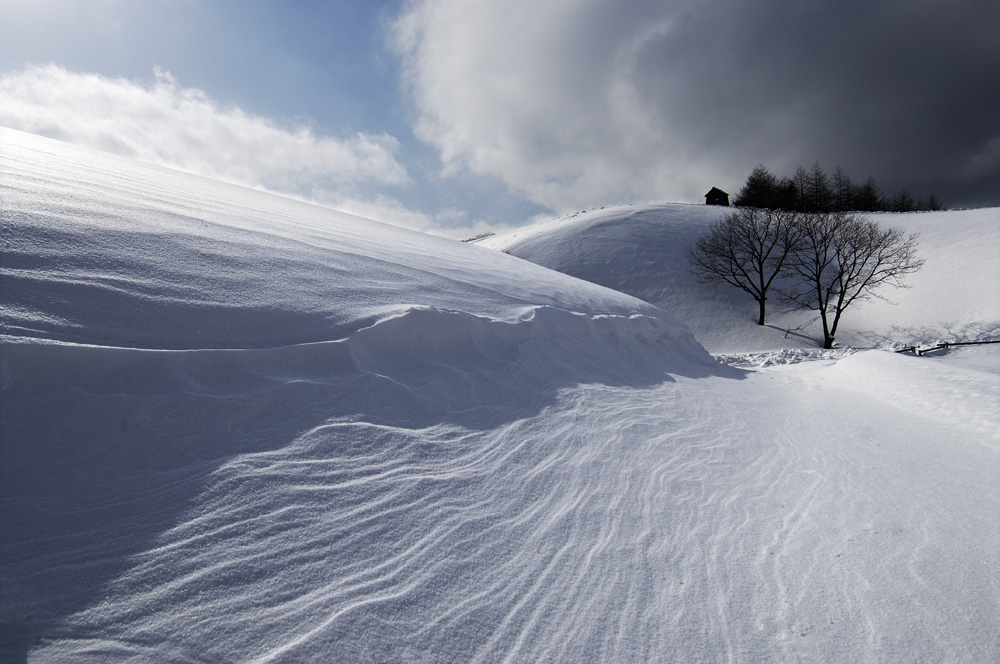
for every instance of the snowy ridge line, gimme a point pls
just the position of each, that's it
(418, 345)
(534, 315)
(619, 345)
(118, 253)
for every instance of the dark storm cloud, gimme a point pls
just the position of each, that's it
(904, 91)
(576, 103)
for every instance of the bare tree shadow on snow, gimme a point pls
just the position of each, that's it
(942, 331)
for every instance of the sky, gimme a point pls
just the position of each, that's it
(458, 116)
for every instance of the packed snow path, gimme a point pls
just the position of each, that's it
(437, 453)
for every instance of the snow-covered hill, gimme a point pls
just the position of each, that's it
(239, 428)
(101, 250)
(640, 250)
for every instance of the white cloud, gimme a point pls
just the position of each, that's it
(162, 122)
(546, 96)
(449, 222)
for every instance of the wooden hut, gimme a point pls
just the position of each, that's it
(716, 196)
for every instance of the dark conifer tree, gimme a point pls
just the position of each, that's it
(787, 194)
(760, 190)
(869, 196)
(933, 204)
(813, 191)
(801, 182)
(843, 191)
(902, 202)
(819, 193)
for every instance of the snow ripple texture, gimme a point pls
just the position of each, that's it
(478, 511)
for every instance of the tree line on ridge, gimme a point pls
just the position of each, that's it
(814, 191)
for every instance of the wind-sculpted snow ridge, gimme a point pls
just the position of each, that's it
(142, 435)
(297, 504)
(102, 250)
(640, 250)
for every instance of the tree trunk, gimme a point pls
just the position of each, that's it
(832, 334)
(827, 333)
(760, 318)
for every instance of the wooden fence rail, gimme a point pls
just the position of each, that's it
(948, 344)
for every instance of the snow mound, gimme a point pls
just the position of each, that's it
(639, 250)
(158, 327)
(102, 250)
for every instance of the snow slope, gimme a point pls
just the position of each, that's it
(640, 250)
(107, 251)
(238, 428)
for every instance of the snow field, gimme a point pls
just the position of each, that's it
(237, 428)
(604, 522)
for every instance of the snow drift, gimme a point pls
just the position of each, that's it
(239, 428)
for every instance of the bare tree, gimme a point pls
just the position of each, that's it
(843, 258)
(747, 249)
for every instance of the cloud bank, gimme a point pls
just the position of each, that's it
(575, 103)
(164, 123)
